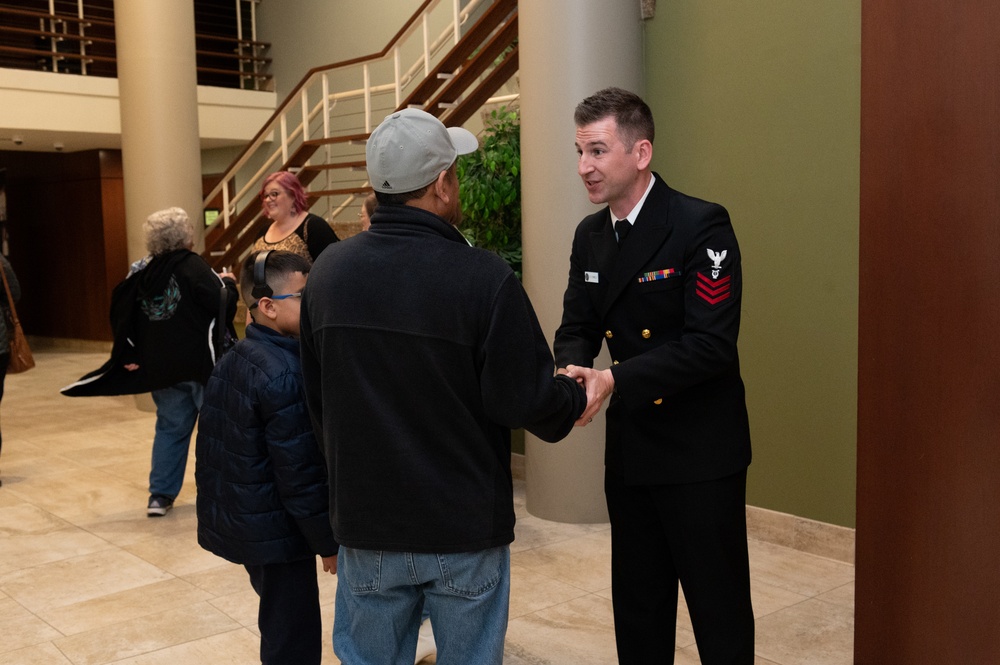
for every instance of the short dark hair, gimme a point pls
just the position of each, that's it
(400, 198)
(631, 114)
(280, 264)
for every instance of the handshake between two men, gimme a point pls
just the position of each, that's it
(599, 384)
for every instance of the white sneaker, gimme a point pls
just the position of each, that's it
(425, 642)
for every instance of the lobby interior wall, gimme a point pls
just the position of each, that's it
(757, 107)
(315, 33)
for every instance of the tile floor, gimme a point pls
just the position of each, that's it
(86, 578)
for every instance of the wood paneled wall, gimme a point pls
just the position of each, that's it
(928, 525)
(66, 224)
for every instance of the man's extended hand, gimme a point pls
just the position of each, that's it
(599, 385)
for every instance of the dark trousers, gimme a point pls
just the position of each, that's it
(694, 534)
(291, 630)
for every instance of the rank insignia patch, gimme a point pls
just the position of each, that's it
(713, 291)
(717, 259)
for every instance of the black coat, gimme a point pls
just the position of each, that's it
(420, 354)
(166, 320)
(262, 486)
(668, 306)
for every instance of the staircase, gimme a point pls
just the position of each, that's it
(459, 58)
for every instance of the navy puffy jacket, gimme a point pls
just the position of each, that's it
(262, 482)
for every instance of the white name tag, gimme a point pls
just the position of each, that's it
(590, 277)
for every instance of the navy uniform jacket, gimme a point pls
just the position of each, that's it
(668, 306)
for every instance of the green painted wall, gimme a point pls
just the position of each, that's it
(757, 107)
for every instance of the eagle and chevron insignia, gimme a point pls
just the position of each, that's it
(714, 290)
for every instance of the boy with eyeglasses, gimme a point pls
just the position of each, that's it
(262, 483)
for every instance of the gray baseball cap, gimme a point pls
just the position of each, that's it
(411, 148)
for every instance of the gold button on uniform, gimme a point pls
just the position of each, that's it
(646, 334)
(614, 362)
(607, 333)
(658, 401)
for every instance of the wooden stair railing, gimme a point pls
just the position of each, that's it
(459, 57)
(454, 90)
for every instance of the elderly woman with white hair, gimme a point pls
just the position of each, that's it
(179, 295)
(169, 317)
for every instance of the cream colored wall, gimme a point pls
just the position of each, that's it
(757, 107)
(83, 111)
(321, 32)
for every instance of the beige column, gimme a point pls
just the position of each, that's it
(569, 49)
(158, 93)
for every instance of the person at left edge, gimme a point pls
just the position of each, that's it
(168, 318)
(5, 332)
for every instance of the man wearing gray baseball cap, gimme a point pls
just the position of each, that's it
(420, 354)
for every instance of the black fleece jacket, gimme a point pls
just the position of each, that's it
(420, 354)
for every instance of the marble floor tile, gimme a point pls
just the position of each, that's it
(22, 518)
(59, 493)
(689, 656)
(812, 632)
(531, 532)
(114, 608)
(129, 524)
(531, 591)
(87, 578)
(23, 629)
(145, 634)
(19, 468)
(768, 599)
(234, 647)
(583, 562)
(577, 632)
(799, 572)
(38, 654)
(842, 595)
(176, 555)
(241, 606)
(47, 547)
(78, 579)
(222, 580)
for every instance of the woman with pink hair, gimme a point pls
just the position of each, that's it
(293, 228)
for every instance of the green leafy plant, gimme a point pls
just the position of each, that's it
(490, 188)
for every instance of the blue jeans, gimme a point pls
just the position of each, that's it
(381, 596)
(177, 410)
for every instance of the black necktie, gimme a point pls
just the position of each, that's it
(622, 227)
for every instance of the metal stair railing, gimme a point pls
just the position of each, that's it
(320, 130)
